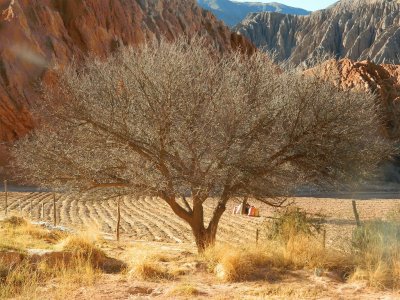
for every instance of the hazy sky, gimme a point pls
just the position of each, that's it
(306, 4)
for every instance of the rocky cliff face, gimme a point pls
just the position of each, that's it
(356, 29)
(382, 80)
(48, 32)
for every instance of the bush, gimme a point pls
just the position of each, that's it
(84, 249)
(233, 264)
(15, 221)
(376, 250)
(293, 221)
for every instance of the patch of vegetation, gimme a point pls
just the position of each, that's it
(75, 261)
(15, 221)
(376, 251)
(184, 290)
(294, 221)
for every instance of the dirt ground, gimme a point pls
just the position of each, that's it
(147, 222)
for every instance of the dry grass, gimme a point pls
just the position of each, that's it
(147, 264)
(377, 254)
(294, 243)
(233, 264)
(18, 235)
(184, 290)
(25, 278)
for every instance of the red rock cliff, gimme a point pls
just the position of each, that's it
(383, 80)
(44, 32)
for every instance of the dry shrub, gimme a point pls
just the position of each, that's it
(294, 242)
(307, 252)
(15, 221)
(80, 268)
(294, 221)
(149, 270)
(21, 280)
(84, 249)
(184, 290)
(233, 264)
(147, 263)
(376, 247)
(18, 234)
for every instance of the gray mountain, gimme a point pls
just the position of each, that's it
(356, 29)
(232, 12)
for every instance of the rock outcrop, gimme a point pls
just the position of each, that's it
(355, 29)
(232, 12)
(382, 80)
(47, 32)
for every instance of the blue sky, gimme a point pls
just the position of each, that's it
(306, 4)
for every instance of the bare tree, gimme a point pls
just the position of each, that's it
(172, 120)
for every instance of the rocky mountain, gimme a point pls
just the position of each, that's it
(48, 32)
(43, 33)
(383, 80)
(356, 29)
(232, 12)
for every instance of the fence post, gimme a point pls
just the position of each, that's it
(324, 238)
(257, 235)
(6, 195)
(356, 215)
(42, 214)
(30, 209)
(118, 218)
(54, 209)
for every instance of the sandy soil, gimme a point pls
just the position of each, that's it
(148, 221)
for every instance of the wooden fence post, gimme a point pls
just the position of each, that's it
(55, 209)
(30, 209)
(356, 215)
(42, 214)
(257, 235)
(324, 238)
(118, 218)
(6, 195)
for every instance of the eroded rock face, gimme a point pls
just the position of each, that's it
(48, 32)
(383, 80)
(356, 29)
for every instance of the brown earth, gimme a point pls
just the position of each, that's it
(382, 80)
(150, 219)
(149, 225)
(44, 33)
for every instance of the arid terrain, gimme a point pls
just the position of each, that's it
(150, 219)
(151, 231)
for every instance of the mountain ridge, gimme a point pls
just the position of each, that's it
(232, 12)
(365, 29)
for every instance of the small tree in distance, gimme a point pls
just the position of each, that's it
(174, 119)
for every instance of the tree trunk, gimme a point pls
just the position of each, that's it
(204, 238)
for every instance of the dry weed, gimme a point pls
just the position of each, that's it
(184, 290)
(377, 254)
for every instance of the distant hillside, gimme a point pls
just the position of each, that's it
(356, 29)
(232, 12)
